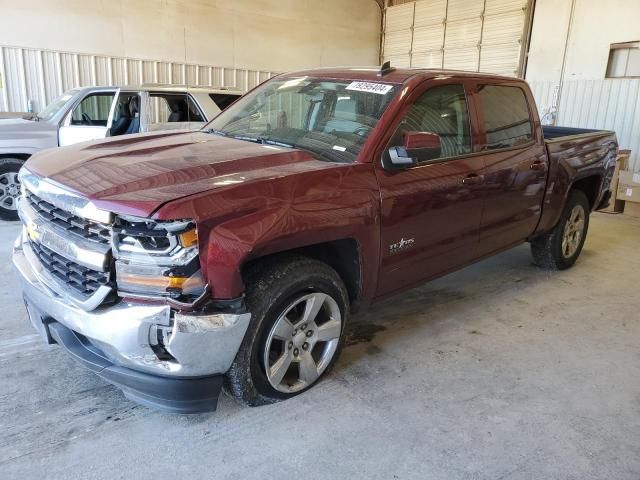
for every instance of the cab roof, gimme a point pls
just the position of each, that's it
(395, 75)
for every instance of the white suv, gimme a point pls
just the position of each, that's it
(92, 113)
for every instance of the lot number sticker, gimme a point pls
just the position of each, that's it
(379, 88)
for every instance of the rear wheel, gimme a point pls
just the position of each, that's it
(9, 188)
(560, 248)
(298, 312)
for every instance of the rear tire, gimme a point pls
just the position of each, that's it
(560, 248)
(9, 187)
(299, 308)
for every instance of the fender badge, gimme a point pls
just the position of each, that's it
(401, 245)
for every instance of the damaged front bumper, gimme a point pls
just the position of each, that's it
(157, 356)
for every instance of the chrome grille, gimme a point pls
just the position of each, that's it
(74, 252)
(82, 279)
(88, 229)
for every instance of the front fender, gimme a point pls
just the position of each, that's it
(266, 232)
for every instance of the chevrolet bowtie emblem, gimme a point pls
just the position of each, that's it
(32, 231)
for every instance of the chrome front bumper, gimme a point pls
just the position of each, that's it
(200, 345)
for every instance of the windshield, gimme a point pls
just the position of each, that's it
(55, 106)
(329, 118)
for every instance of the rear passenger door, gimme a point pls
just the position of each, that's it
(171, 111)
(515, 165)
(431, 211)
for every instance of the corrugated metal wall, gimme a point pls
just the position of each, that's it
(42, 75)
(611, 104)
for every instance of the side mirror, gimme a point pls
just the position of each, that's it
(418, 147)
(422, 140)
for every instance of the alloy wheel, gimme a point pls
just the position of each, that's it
(302, 342)
(573, 231)
(9, 190)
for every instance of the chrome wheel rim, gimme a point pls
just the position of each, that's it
(573, 231)
(302, 342)
(9, 190)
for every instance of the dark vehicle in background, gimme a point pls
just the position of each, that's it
(172, 264)
(93, 113)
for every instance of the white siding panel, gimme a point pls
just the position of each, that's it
(42, 75)
(398, 33)
(397, 43)
(500, 59)
(504, 28)
(118, 71)
(463, 33)
(430, 12)
(428, 38)
(399, 17)
(464, 9)
(14, 80)
(609, 104)
(461, 59)
(400, 61)
(493, 7)
(427, 59)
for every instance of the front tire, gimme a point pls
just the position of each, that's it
(560, 248)
(9, 187)
(299, 308)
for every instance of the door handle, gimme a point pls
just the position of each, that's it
(473, 179)
(538, 165)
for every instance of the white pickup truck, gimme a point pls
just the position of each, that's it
(92, 113)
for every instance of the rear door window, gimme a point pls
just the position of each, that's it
(174, 108)
(507, 120)
(223, 100)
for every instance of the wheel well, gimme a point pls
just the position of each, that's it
(590, 186)
(341, 255)
(19, 156)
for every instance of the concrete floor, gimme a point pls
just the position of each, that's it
(500, 371)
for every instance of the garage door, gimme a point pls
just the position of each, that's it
(475, 35)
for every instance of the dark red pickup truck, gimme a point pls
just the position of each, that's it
(173, 264)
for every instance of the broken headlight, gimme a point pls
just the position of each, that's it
(157, 259)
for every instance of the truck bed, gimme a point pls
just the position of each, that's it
(551, 133)
(577, 154)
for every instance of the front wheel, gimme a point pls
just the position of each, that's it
(560, 248)
(9, 188)
(299, 308)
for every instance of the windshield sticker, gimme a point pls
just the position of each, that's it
(339, 148)
(379, 88)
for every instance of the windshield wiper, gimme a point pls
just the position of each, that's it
(259, 139)
(217, 132)
(262, 140)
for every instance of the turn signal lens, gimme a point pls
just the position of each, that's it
(132, 279)
(189, 238)
(157, 281)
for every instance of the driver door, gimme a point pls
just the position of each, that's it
(431, 210)
(90, 119)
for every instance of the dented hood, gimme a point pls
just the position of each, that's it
(139, 173)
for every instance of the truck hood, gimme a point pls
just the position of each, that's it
(19, 132)
(137, 174)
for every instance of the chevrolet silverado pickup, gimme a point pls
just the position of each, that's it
(178, 264)
(91, 113)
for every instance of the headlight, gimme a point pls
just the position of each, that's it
(157, 259)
